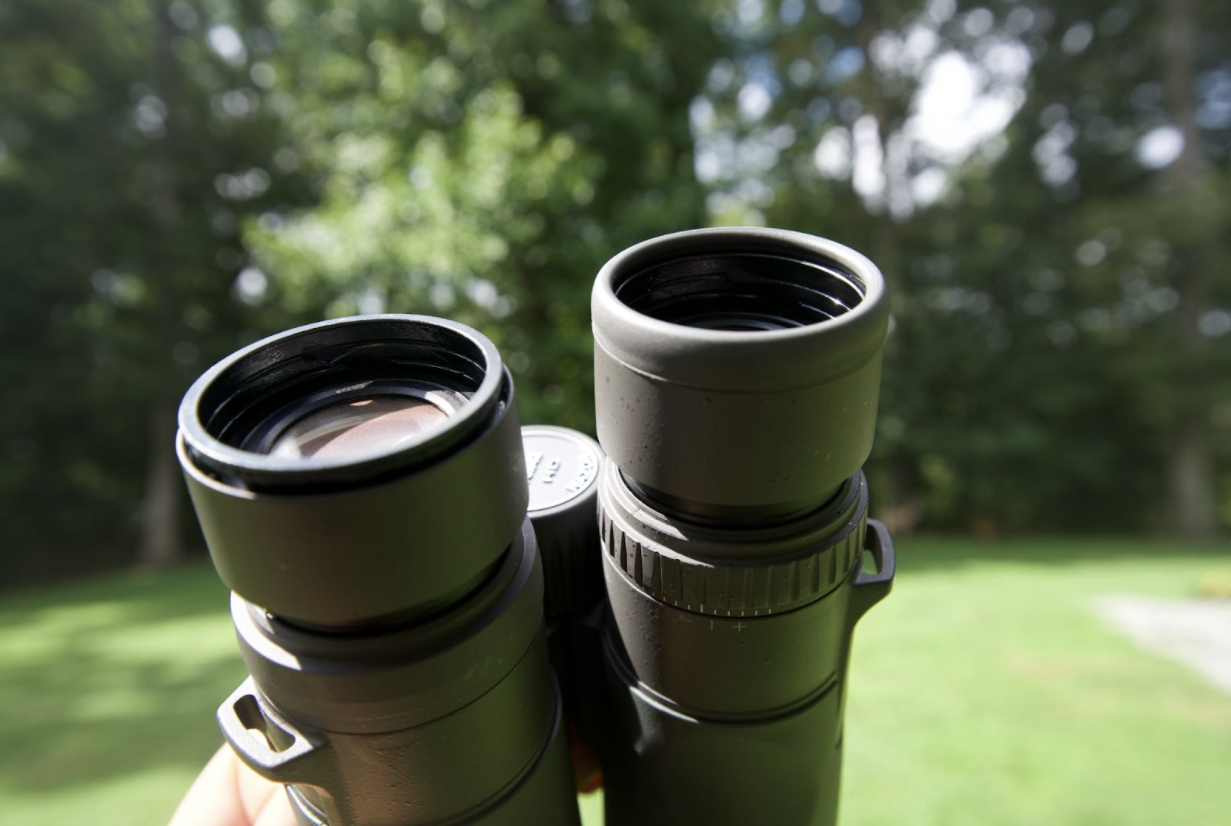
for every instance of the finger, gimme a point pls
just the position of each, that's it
(265, 802)
(213, 799)
(587, 773)
(276, 811)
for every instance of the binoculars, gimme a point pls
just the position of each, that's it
(432, 600)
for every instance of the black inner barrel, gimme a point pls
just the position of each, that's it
(741, 292)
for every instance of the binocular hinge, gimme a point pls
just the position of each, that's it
(267, 742)
(869, 588)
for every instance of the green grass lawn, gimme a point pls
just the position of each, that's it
(982, 692)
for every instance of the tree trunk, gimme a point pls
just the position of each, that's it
(1191, 472)
(161, 543)
(905, 508)
(902, 505)
(160, 531)
(1191, 479)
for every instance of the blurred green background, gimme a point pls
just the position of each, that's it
(1046, 186)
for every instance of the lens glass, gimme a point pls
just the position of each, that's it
(357, 427)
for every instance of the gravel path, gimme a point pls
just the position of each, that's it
(1195, 632)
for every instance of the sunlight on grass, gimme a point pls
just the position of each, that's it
(983, 691)
(146, 796)
(986, 691)
(116, 680)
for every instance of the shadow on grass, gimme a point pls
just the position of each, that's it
(145, 594)
(929, 553)
(112, 676)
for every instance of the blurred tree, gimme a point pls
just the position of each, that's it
(474, 160)
(1193, 50)
(130, 136)
(1126, 147)
(481, 160)
(855, 121)
(994, 161)
(1045, 186)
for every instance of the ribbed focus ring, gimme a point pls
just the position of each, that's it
(766, 572)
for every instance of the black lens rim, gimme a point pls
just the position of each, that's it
(743, 360)
(240, 394)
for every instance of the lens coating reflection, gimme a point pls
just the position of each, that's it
(357, 427)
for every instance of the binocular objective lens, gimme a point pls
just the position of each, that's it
(328, 463)
(358, 427)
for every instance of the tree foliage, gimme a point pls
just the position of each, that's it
(121, 132)
(1045, 186)
(475, 160)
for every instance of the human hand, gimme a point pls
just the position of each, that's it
(228, 793)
